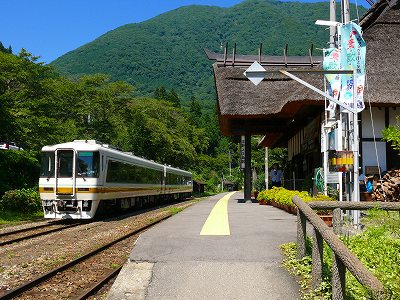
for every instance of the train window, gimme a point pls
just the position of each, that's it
(65, 163)
(88, 164)
(47, 164)
(126, 173)
(175, 179)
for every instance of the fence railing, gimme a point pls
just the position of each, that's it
(343, 259)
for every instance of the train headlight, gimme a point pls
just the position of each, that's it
(86, 205)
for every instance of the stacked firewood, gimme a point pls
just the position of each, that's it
(388, 188)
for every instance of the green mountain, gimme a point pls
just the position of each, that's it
(168, 49)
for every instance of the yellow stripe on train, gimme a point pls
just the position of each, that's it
(101, 190)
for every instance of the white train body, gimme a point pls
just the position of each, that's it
(91, 175)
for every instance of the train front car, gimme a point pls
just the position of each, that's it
(69, 176)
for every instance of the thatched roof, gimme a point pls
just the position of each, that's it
(381, 26)
(278, 105)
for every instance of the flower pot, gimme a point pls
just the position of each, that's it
(293, 210)
(262, 202)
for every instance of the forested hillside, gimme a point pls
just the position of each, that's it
(168, 50)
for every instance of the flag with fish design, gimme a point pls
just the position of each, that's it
(352, 57)
(332, 62)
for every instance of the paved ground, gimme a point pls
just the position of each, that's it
(173, 261)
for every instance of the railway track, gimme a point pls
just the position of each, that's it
(90, 288)
(15, 236)
(29, 228)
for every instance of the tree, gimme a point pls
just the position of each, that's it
(160, 93)
(4, 49)
(392, 134)
(159, 131)
(195, 112)
(174, 98)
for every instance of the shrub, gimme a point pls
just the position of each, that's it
(18, 169)
(23, 200)
(284, 196)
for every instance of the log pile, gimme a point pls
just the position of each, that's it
(387, 189)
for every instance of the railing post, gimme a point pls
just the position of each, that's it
(338, 279)
(301, 234)
(317, 259)
(337, 220)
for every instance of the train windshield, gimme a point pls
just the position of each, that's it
(47, 164)
(88, 164)
(65, 163)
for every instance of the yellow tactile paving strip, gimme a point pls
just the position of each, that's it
(217, 222)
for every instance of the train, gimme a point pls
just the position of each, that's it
(81, 179)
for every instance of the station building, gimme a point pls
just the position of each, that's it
(289, 114)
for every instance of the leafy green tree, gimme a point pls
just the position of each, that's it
(4, 49)
(160, 93)
(392, 134)
(195, 112)
(174, 98)
(159, 131)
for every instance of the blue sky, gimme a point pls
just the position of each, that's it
(50, 28)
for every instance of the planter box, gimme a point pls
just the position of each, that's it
(365, 196)
(327, 219)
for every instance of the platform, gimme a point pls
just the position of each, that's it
(218, 248)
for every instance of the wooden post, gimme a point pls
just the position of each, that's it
(338, 279)
(301, 235)
(337, 220)
(247, 167)
(317, 259)
(266, 169)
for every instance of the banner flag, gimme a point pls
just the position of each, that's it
(350, 56)
(332, 62)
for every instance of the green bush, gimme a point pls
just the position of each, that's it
(259, 183)
(23, 200)
(284, 196)
(18, 169)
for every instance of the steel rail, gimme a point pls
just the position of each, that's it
(37, 234)
(27, 286)
(98, 285)
(30, 228)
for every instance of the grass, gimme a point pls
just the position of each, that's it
(14, 218)
(175, 210)
(377, 247)
(115, 266)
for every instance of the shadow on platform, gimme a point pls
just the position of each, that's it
(246, 201)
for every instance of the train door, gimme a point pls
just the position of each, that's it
(65, 176)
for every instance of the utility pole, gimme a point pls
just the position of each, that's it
(332, 29)
(345, 11)
(352, 123)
